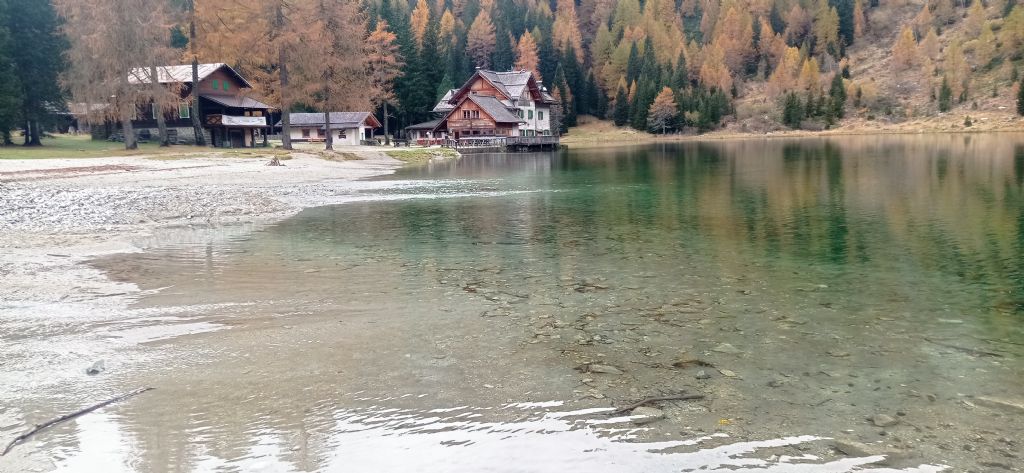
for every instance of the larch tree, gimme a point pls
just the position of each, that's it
(261, 37)
(784, 77)
(904, 50)
(826, 29)
(860, 21)
(480, 41)
(985, 46)
(383, 64)
(957, 70)
(810, 76)
(929, 46)
(565, 31)
(112, 43)
(331, 67)
(735, 36)
(975, 19)
(419, 21)
(923, 20)
(663, 112)
(713, 70)
(447, 32)
(526, 55)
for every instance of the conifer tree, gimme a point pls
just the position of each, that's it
(10, 99)
(480, 41)
(1020, 99)
(37, 55)
(620, 115)
(905, 48)
(526, 55)
(945, 95)
(837, 97)
(792, 112)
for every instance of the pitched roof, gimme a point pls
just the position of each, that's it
(181, 73)
(510, 83)
(493, 107)
(338, 119)
(445, 105)
(425, 125)
(237, 101)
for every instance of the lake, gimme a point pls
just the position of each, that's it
(825, 295)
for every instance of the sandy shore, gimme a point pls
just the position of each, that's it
(59, 212)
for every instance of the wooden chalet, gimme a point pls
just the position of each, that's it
(229, 116)
(493, 106)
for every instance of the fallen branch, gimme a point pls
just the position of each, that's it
(678, 397)
(43, 426)
(970, 351)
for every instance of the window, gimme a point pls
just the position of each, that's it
(184, 111)
(476, 113)
(225, 84)
(540, 115)
(216, 84)
(320, 132)
(341, 135)
(305, 132)
(531, 114)
(465, 114)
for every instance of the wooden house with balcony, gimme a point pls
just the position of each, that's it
(500, 108)
(230, 117)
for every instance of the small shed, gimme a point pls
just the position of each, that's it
(424, 134)
(346, 128)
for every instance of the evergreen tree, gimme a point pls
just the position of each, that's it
(845, 9)
(10, 99)
(621, 112)
(945, 95)
(1020, 99)
(792, 111)
(37, 53)
(681, 77)
(837, 97)
(633, 65)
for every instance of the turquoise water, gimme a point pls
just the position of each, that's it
(819, 281)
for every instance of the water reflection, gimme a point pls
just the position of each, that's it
(531, 437)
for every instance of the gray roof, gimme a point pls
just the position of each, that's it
(237, 101)
(493, 107)
(445, 105)
(511, 83)
(338, 119)
(180, 73)
(425, 125)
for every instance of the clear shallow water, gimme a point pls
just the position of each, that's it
(849, 277)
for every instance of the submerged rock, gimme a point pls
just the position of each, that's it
(884, 420)
(702, 375)
(96, 368)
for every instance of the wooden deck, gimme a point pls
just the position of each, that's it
(497, 144)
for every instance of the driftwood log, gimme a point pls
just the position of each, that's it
(40, 427)
(677, 397)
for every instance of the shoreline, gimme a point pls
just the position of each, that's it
(627, 136)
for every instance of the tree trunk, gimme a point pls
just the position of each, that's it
(161, 123)
(36, 134)
(286, 120)
(197, 124)
(387, 137)
(329, 142)
(127, 129)
(27, 132)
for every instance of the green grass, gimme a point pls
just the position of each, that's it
(82, 146)
(420, 156)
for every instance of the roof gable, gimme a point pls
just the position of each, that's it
(511, 84)
(182, 74)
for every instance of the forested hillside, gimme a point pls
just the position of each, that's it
(654, 65)
(766, 63)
